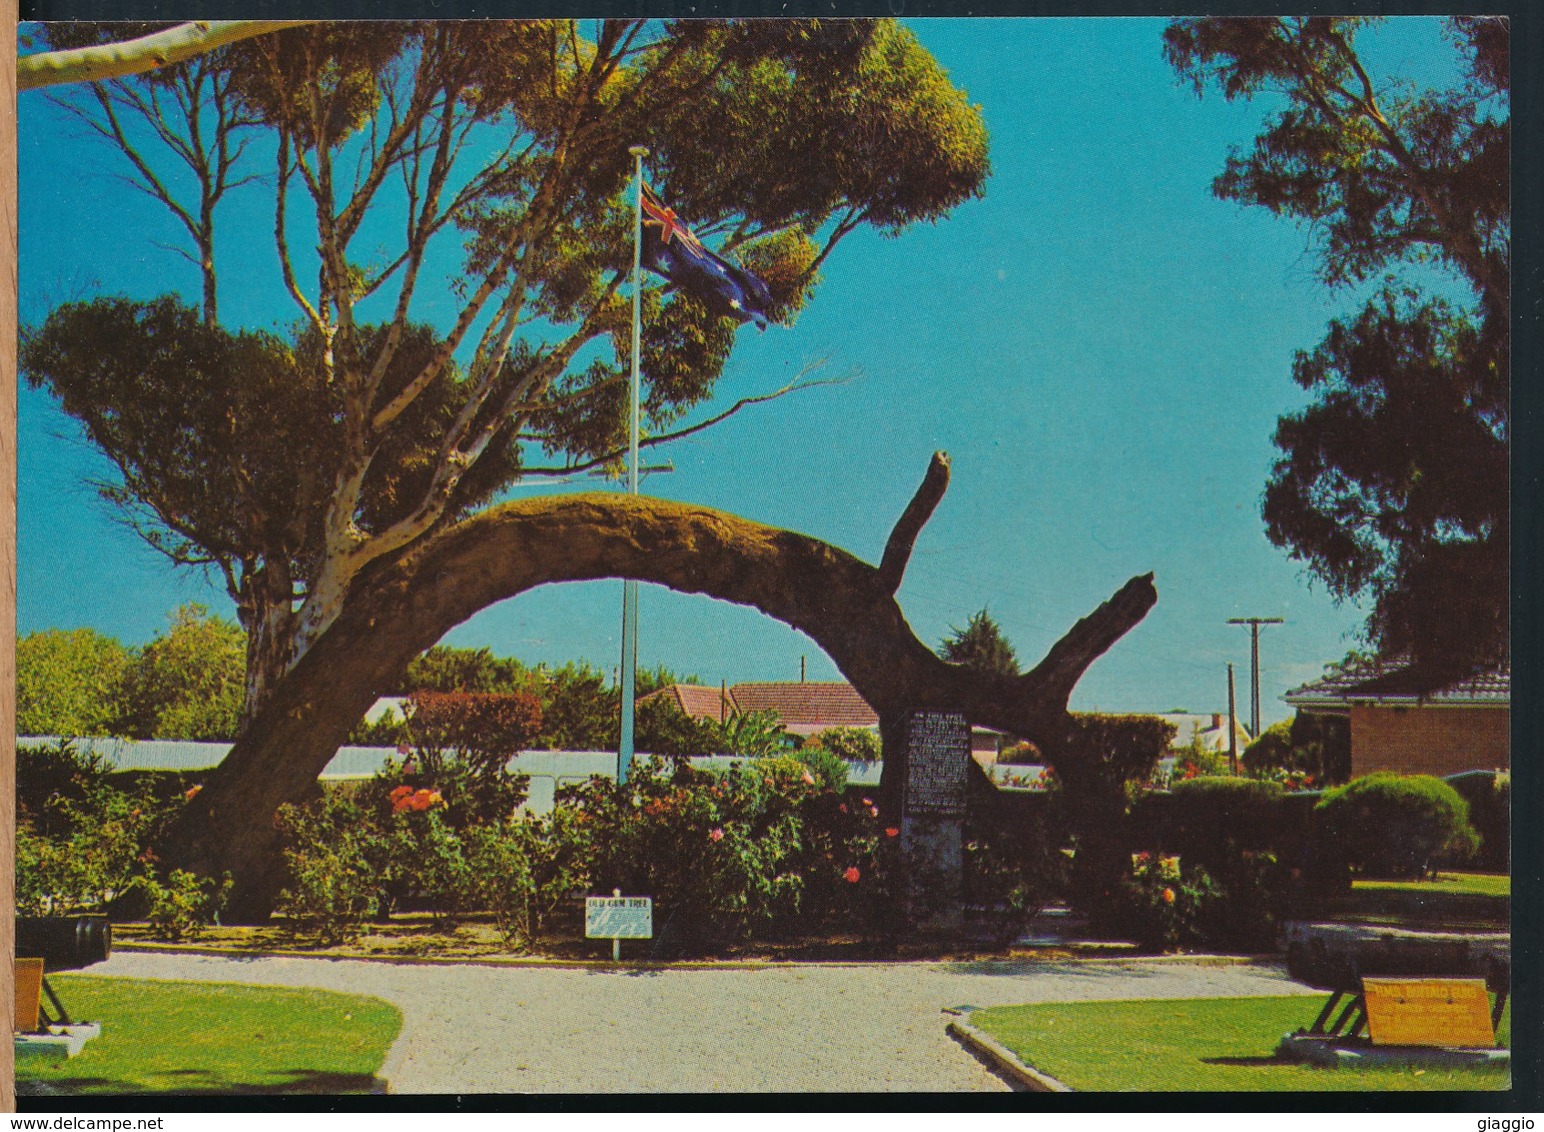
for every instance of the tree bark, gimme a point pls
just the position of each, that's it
(395, 612)
(136, 56)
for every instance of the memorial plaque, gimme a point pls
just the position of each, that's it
(1428, 1012)
(937, 759)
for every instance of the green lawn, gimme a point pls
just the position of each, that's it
(1466, 884)
(215, 1038)
(1222, 1045)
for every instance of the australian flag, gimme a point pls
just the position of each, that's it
(670, 249)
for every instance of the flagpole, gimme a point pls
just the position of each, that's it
(630, 587)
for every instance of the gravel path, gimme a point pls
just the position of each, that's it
(479, 1029)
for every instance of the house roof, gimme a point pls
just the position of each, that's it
(1210, 729)
(1400, 681)
(700, 702)
(805, 708)
(809, 707)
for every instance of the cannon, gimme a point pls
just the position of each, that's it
(1336, 957)
(63, 943)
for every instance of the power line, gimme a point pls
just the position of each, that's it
(1254, 624)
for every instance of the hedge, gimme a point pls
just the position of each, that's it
(1489, 795)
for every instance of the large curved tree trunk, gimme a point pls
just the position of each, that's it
(847, 606)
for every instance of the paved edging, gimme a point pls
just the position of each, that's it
(1005, 1059)
(674, 965)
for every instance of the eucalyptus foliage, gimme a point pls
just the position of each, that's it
(479, 170)
(1392, 483)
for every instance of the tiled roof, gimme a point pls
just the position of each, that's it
(1400, 681)
(700, 702)
(805, 708)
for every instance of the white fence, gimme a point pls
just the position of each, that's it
(548, 770)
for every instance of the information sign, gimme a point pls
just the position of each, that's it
(619, 917)
(937, 760)
(1428, 1012)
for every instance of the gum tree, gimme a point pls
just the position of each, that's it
(479, 170)
(1393, 484)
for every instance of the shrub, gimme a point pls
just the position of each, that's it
(333, 882)
(664, 729)
(1271, 750)
(1212, 817)
(1392, 825)
(829, 769)
(1015, 754)
(1159, 905)
(1116, 753)
(855, 744)
(727, 852)
(484, 729)
(526, 868)
(1321, 745)
(49, 774)
(756, 733)
(1489, 794)
(1014, 864)
(183, 905)
(1249, 900)
(1168, 902)
(96, 854)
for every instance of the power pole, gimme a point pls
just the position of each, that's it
(1254, 624)
(1232, 724)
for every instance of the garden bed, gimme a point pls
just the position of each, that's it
(417, 937)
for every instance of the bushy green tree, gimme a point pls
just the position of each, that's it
(445, 668)
(1397, 825)
(295, 463)
(187, 682)
(980, 645)
(662, 728)
(70, 682)
(1271, 750)
(1393, 482)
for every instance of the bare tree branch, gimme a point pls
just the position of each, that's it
(892, 567)
(136, 56)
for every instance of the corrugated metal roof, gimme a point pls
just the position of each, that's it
(1400, 681)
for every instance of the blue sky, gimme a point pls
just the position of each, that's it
(1102, 347)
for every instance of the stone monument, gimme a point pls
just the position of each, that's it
(933, 819)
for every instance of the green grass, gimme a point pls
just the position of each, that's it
(214, 1038)
(1221, 1045)
(1463, 901)
(1464, 884)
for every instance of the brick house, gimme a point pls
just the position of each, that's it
(1403, 719)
